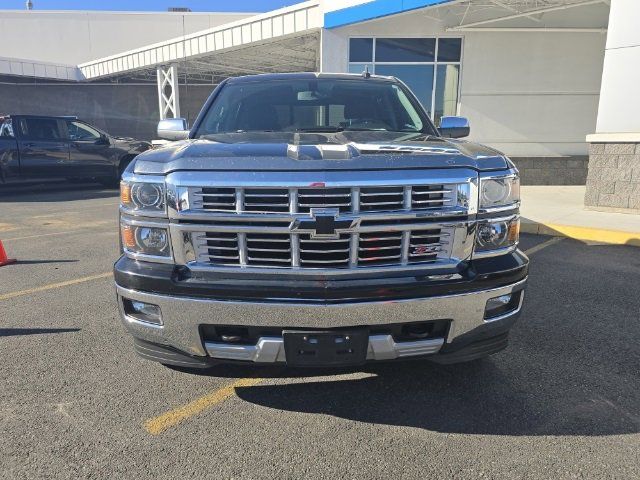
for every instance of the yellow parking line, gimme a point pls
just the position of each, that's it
(157, 425)
(51, 286)
(540, 246)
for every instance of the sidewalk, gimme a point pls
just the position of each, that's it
(559, 211)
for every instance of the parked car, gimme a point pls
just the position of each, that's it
(36, 147)
(319, 220)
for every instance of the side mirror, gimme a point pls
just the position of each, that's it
(103, 140)
(173, 129)
(454, 127)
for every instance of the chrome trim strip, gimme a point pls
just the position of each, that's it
(271, 349)
(384, 347)
(329, 179)
(246, 217)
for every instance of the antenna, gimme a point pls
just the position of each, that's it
(366, 73)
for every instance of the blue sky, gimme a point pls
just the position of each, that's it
(151, 5)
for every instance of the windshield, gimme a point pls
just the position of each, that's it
(317, 105)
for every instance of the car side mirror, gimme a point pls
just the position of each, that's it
(454, 127)
(103, 140)
(173, 129)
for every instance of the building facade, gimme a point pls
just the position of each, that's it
(540, 81)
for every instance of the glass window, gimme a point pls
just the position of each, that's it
(405, 49)
(311, 105)
(81, 131)
(40, 128)
(447, 91)
(419, 78)
(413, 60)
(361, 49)
(449, 49)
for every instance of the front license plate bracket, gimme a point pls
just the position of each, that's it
(326, 347)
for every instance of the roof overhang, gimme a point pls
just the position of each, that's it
(19, 67)
(483, 15)
(278, 41)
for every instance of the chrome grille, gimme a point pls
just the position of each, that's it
(325, 253)
(431, 196)
(302, 200)
(335, 198)
(264, 200)
(215, 199)
(218, 248)
(284, 250)
(347, 220)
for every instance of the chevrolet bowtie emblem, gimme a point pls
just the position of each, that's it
(325, 224)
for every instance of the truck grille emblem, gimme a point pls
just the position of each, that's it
(324, 224)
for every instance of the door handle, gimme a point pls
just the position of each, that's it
(29, 144)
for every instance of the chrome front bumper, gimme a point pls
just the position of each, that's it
(182, 317)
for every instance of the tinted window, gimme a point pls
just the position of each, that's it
(81, 131)
(41, 128)
(311, 105)
(405, 49)
(449, 49)
(361, 49)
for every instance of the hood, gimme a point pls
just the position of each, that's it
(282, 151)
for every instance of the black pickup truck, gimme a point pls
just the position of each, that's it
(36, 147)
(319, 220)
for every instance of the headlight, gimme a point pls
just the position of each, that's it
(499, 192)
(146, 240)
(494, 235)
(142, 197)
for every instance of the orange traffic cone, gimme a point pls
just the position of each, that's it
(3, 257)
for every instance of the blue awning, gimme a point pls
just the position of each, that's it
(374, 9)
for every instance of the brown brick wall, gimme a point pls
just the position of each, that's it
(613, 181)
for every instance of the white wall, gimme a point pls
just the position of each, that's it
(527, 94)
(619, 110)
(76, 37)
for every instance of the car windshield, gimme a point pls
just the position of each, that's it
(322, 105)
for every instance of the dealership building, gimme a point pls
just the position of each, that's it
(552, 83)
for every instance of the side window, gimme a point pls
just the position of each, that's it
(41, 128)
(82, 132)
(6, 129)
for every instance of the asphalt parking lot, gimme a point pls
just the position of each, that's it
(563, 401)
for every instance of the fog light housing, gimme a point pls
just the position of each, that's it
(498, 306)
(144, 312)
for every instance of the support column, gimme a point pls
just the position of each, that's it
(613, 181)
(168, 92)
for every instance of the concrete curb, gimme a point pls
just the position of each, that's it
(587, 234)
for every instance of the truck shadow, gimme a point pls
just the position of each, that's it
(572, 368)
